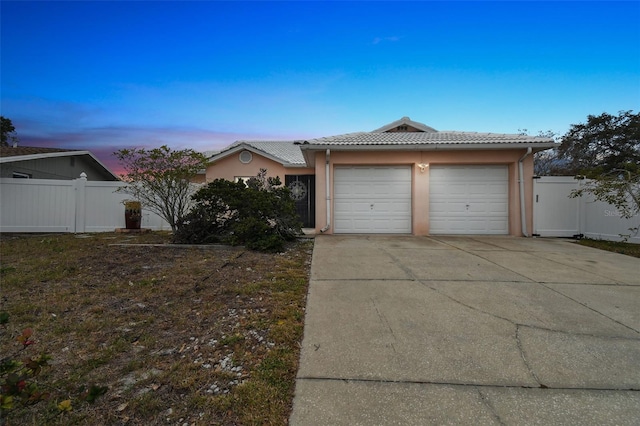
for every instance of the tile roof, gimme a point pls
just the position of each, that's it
(426, 138)
(293, 153)
(286, 152)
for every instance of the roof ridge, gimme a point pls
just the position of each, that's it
(405, 121)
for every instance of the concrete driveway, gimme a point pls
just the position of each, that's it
(469, 330)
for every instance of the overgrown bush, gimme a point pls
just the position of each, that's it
(260, 215)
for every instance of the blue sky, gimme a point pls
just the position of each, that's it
(107, 75)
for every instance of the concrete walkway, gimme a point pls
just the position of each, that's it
(460, 330)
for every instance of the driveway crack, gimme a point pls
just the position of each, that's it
(524, 358)
(473, 308)
(527, 279)
(384, 321)
(487, 403)
(531, 326)
(464, 384)
(590, 308)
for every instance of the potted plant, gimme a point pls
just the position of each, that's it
(132, 214)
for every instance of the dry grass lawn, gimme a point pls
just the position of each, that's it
(196, 336)
(617, 247)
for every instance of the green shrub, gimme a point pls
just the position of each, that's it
(260, 215)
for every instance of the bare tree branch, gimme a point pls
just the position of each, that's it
(160, 179)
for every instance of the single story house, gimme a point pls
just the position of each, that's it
(403, 178)
(51, 163)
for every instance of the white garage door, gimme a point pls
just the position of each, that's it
(468, 200)
(372, 200)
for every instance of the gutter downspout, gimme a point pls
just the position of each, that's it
(328, 193)
(523, 216)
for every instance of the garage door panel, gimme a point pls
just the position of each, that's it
(342, 207)
(455, 189)
(448, 209)
(452, 224)
(487, 208)
(485, 189)
(400, 209)
(372, 199)
(468, 200)
(500, 208)
(498, 225)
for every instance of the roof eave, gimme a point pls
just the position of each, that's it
(295, 165)
(538, 146)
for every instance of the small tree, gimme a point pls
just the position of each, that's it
(603, 144)
(160, 179)
(606, 149)
(8, 135)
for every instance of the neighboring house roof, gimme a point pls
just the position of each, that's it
(25, 153)
(8, 151)
(286, 153)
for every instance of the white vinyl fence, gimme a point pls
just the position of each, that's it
(555, 214)
(43, 205)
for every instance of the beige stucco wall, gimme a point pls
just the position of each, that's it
(420, 184)
(231, 167)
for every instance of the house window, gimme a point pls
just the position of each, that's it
(246, 157)
(18, 175)
(245, 179)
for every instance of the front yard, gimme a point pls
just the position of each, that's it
(176, 335)
(617, 247)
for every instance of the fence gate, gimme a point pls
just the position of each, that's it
(555, 214)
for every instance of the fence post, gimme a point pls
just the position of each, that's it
(582, 208)
(80, 198)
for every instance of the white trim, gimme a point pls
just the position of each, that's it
(20, 175)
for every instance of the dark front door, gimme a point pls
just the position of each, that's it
(303, 191)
